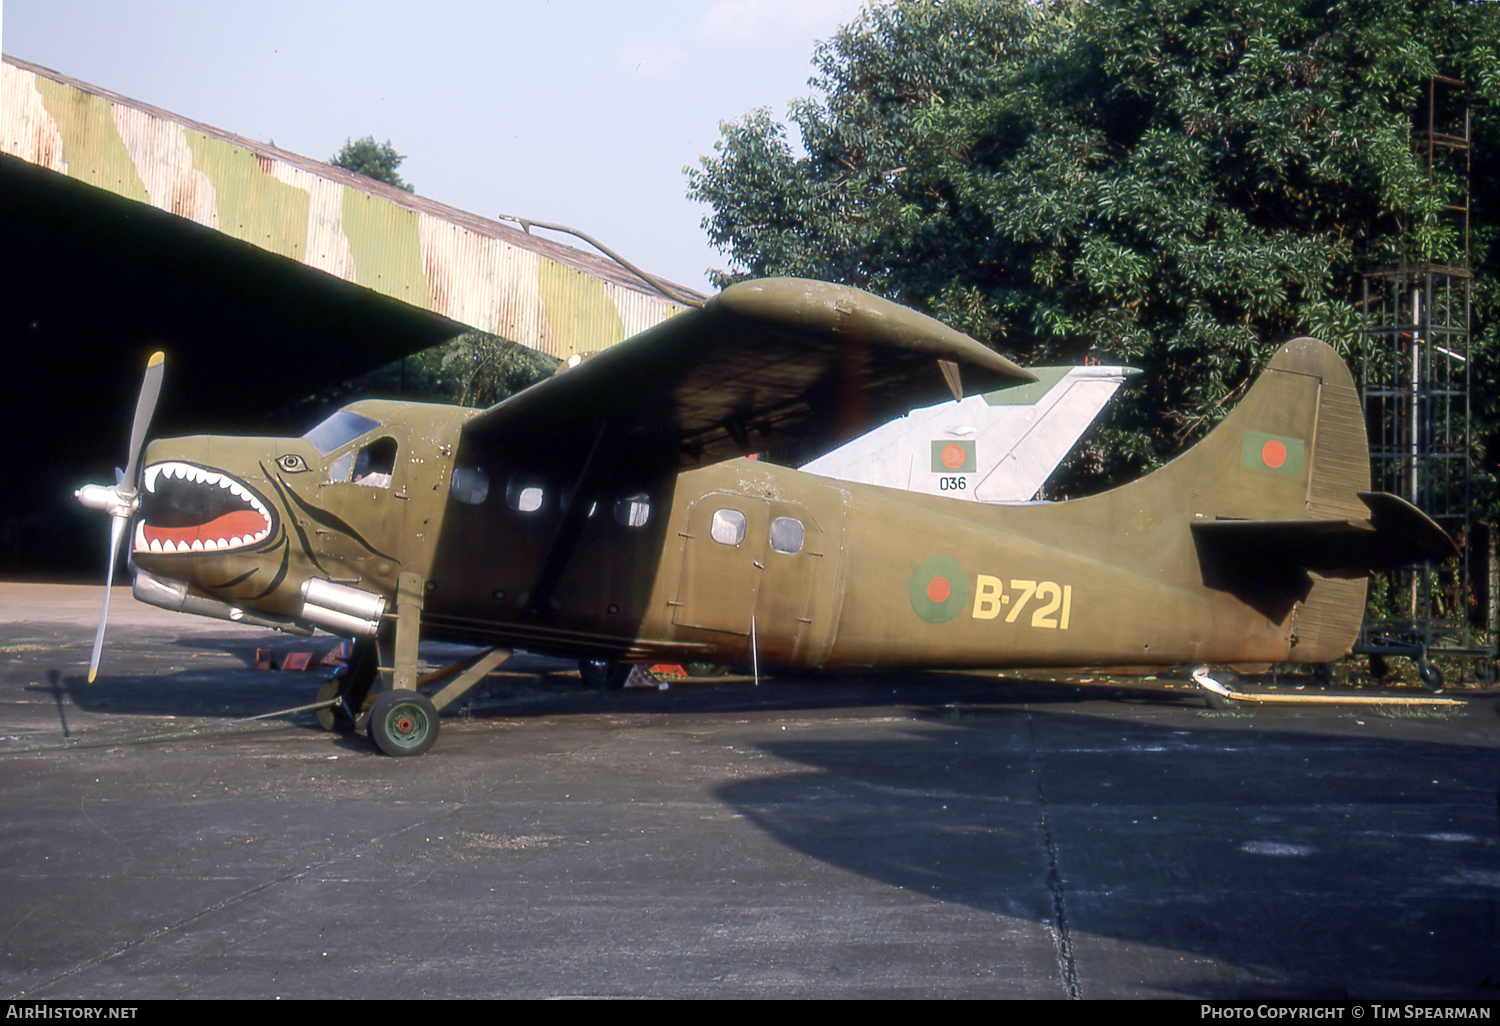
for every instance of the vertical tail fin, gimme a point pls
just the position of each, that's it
(1286, 521)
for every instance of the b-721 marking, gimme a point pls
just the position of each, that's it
(1056, 612)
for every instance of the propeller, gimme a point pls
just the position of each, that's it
(122, 500)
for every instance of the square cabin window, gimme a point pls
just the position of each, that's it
(524, 495)
(470, 485)
(728, 527)
(786, 535)
(634, 510)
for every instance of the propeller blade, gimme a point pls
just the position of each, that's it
(120, 501)
(119, 526)
(145, 406)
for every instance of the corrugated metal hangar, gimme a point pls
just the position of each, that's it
(264, 275)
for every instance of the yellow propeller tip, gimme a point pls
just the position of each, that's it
(156, 358)
(92, 675)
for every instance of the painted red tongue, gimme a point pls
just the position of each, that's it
(239, 524)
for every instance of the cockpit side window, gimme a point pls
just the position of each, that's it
(376, 463)
(341, 428)
(339, 469)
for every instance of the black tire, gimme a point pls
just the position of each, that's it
(334, 717)
(1431, 675)
(403, 723)
(603, 674)
(1218, 702)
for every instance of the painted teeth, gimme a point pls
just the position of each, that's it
(153, 475)
(199, 475)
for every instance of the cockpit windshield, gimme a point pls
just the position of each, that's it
(343, 426)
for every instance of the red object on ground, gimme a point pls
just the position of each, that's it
(297, 661)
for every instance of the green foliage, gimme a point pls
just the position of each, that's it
(1182, 184)
(480, 369)
(474, 369)
(373, 160)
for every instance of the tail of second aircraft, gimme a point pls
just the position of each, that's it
(1281, 512)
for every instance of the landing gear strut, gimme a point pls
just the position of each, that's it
(351, 686)
(603, 674)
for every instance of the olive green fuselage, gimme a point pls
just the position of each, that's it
(850, 576)
(736, 561)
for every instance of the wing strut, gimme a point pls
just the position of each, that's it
(578, 503)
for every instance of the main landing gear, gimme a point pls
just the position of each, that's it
(378, 690)
(399, 720)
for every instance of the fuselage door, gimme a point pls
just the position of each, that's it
(770, 564)
(723, 558)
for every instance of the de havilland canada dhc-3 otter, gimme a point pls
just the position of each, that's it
(607, 514)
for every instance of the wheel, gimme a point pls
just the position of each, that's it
(1219, 703)
(603, 674)
(403, 723)
(1430, 675)
(334, 717)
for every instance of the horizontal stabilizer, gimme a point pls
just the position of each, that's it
(1395, 534)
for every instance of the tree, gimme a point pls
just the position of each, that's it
(373, 160)
(1183, 184)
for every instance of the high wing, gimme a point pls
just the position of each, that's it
(774, 364)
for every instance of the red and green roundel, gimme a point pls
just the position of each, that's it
(939, 589)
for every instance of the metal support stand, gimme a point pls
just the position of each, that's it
(1415, 385)
(1416, 389)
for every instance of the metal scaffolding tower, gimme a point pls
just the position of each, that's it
(1416, 390)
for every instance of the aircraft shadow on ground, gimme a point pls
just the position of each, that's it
(539, 687)
(1315, 864)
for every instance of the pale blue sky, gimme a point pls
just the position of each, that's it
(576, 111)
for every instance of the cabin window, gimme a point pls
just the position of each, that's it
(376, 463)
(728, 527)
(470, 485)
(634, 510)
(344, 426)
(786, 535)
(524, 494)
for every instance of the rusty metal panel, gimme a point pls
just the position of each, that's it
(470, 269)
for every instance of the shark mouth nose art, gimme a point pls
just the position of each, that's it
(188, 509)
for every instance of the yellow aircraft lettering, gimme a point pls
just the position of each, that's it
(1028, 588)
(1045, 615)
(989, 593)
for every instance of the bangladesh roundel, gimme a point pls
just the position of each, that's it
(939, 589)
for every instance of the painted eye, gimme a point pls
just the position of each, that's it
(292, 463)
